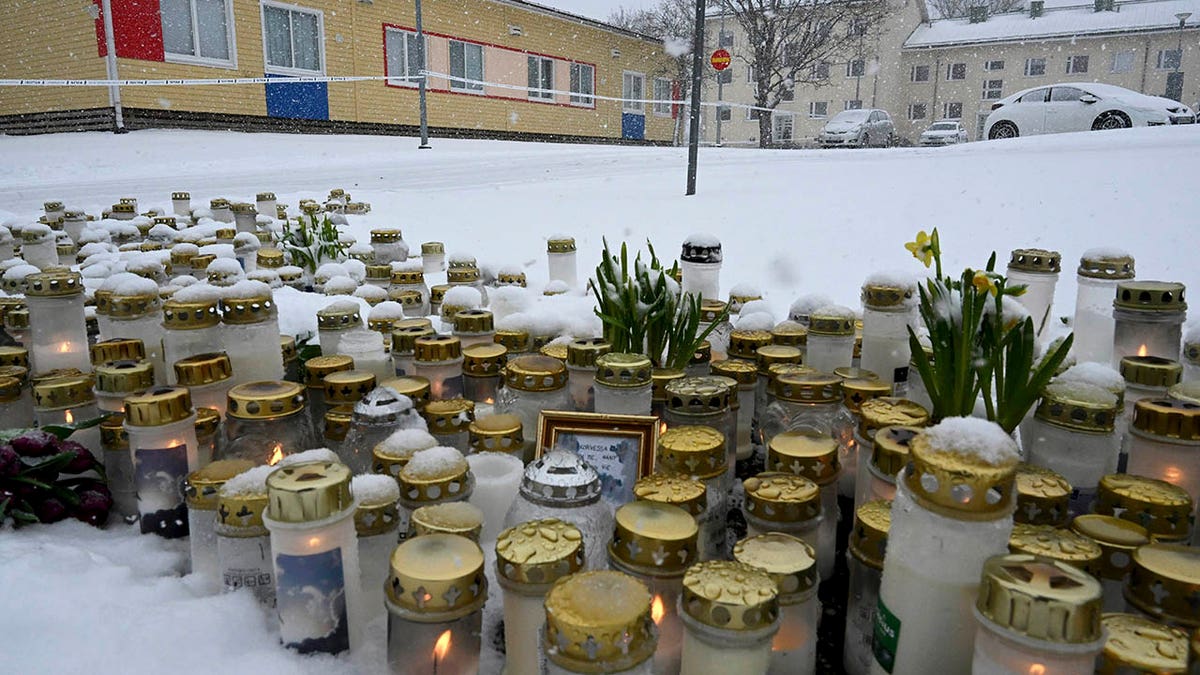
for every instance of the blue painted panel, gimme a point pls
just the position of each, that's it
(633, 126)
(298, 100)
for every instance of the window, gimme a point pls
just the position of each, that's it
(821, 71)
(791, 55)
(724, 113)
(197, 30)
(662, 92)
(1122, 62)
(788, 93)
(994, 65)
(852, 105)
(1168, 59)
(856, 68)
(917, 111)
(782, 125)
(857, 28)
(633, 87)
(1077, 64)
(1035, 67)
(403, 61)
(919, 74)
(1035, 96)
(466, 62)
(952, 111)
(293, 40)
(583, 77)
(956, 71)
(725, 76)
(992, 89)
(1065, 94)
(541, 78)
(752, 114)
(725, 39)
(818, 109)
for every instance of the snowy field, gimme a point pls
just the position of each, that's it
(79, 600)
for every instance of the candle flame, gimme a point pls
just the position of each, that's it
(1037, 669)
(1142, 351)
(441, 646)
(313, 542)
(489, 400)
(64, 347)
(656, 609)
(70, 417)
(276, 455)
(662, 428)
(1173, 474)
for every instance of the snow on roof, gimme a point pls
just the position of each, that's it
(1059, 20)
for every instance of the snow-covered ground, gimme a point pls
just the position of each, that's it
(82, 600)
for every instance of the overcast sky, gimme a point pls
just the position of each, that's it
(595, 9)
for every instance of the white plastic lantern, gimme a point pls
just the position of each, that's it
(56, 321)
(700, 261)
(560, 252)
(1038, 270)
(161, 425)
(1100, 270)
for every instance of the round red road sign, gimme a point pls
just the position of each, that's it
(720, 59)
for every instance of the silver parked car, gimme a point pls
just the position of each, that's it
(944, 132)
(1079, 106)
(858, 128)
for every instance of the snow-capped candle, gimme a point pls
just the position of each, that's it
(58, 330)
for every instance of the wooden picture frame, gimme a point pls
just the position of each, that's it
(604, 441)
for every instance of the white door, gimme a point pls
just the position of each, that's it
(1065, 112)
(1029, 112)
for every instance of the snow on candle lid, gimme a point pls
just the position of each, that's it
(539, 552)
(437, 574)
(730, 596)
(889, 289)
(340, 285)
(461, 518)
(964, 468)
(599, 621)
(701, 248)
(1138, 644)
(377, 511)
(791, 562)
(1078, 405)
(831, 320)
(465, 297)
(436, 474)
(803, 307)
(1106, 263)
(755, 321)
(1096, 374)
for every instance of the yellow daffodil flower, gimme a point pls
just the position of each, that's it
(922, 248)
(984, 282)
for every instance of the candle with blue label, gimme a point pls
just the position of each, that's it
(162, 442)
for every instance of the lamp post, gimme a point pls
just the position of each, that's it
(421, 82)
(1183, 17)
(694, 130)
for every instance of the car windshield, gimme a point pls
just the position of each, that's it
(943, 126)
(851, 116)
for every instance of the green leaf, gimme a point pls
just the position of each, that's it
(64, 431)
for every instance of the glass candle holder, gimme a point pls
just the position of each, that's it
(745, 373)
(437, 475)
(243, 544)
(201, 490)
(1138, 645)
(1164, 443)
(68, 399)
(208, 377)
(1117, 539)
(336, 425)
(873, 415)
(1148, 319)
(1100, 270)
(16, 400)
(792, 565)
(250, 335)
(580, 608)
(623, 384)
(208, 446)
(497, 481)
(809, 402)
(887, 314)
(136, 317)
(118, 467)
(433, 257)
(16, 325)
(189, 329)
(333, 321)
(1038, 270)
(700, 262)
(266, 420)
(245, 216)
(366, 348)
(582, 364)
(865, 553)
(376, 417)
(1043, 496)
(560, 254)
(714, 314)
(1164, 509)
(376, 522)
(656, 543)
(830, 339)
(764, 358)
(1162, 584)
(482, 366)
(58, 332)
(957, 500)
(497, 433)
(181, 258)
(404, 347)
(704, 401)
(291, 359)
(1017, 587)
(38, 246)
(777, 502)
(117, 379)
(698, 452)
(532, 384)
(266, 204)
(1072, 433)
(439, 359)
(161, 425)
(389, 246)
(448, 421)
(315, 371)
(310, 516)
(700, 364)
(815, 458)
(414, 387)
(731, 614)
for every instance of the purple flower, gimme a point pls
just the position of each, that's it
(93, 507)
(83, 461)
(10, 462)
(50, 510)
(35, 444)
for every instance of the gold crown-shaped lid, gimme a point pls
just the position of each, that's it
(226, 233)
(1165, 510)
(124, 377)
(290, 275)
(13, 355)
(729, 595)
(451, 416)
(1088, 409)
(891, 448)
(18, 373)
(287, 348)
(113, 436)
(270, 258)
(347, 386)
(857, 391)
(710, 309)
(1164, 583)
(316, 368)
(449, 482)
(390, 462)
(692, 451)
(202, 485)
(63, 392)
(308, 491)
(703, 354)
(768, 355)
(156, 407)
(1136, 644)
(264, 197)
(379, 272)
(496, 433)
(404, 339)
(539, 552)
(888, 411)
(699, 395)
(677, 490)
(406, 278)
(308, 208)
(202, 261)
(17, 319)
(115, 349)
(54, 205)
(337, 422)
(132, 306)
(515, 341)
(54, 283)
(744, 372)
(582, 353)
(182, 256)
(833, 323)
(125, 207)
(1035, 260)
(265, 400)
(790, 333)
(1151, 296)
(805, 454)
(433, 247)
(1151, 371)
(59, 374)
(207, 422)
(248, 310)
(413, 386)
(744, 344)
(1041, 599)
(439, 576)
(437, 348)
(554, 351)
(508, 278)
(1106, 266)
(386, 236)
(653, 539)
(560, 245)
(464, 274)
(535, 373)
(340, 315)
(190, 315)
(660, 378)
(789, 561)
(782, 497)
(598, 622)
(778, 369)
(484, 360)
(618, 369)
(868, 537)
(437, 293)
(959, 483)
(66, 248)
(812, 387)
(202, 369)
(1051, 543)
(879, 295)
(1167, 418)
(1117, 538)
(460, 518)
(10, 388)
(1042, 496)
(241, 513)
(473, 321)
(376, 517)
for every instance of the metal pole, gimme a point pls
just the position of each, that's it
(110, 64)
(720, 81)
(421, 82)
(694, 131)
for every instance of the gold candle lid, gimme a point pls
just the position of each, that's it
(156, 407)
(833, 323)
(202, 485)
(182, 256)
(868, 537)
(583, 353)
(702, 395)
(555, 351)
(227, 233)
(1036, 260)
(768, 355)
(507, 278)
(890, 411)
(1168, 418)
(1165, 510)
(433, 247)
(1151, 371)
(703, 354)
(266, 399)
(1051, 543)
(1049, 601)
(269, 258)
(434, 482)
(473, 321)
(124, 377)
(811, 387)
(130, 306)
(1165, 583)
(516, 341)
(1139, 645)
(12, 355)
(730, 596)
(539, 552)
(622, 370)
(958, 482)
(287, 348)
(697, 451)
(337, 422)
(437, 293)
(347, 386)
(660, 378)
(535, 373)
(890, 451)
(404, 339)
(496, 433)
(379, 272)
(207, 422)
(437, 348)
(676, 490)
(318, 367)
(1080, 408)
(1117, 538)
(598, 622)
(62, 392)
(341, 315)
(710, 309)
(203, 369)
(460, 518)
(789, 561)
(745, 373)
(744, 344)
(405, 277)
(390, 461)
(202, 261)
(462, 275)
(249, 310)
(782, 498)
(386, 236)
(1042, 496)
(486, 360)
(439, 576)
(413, 386)
(1150, 296)
(56, 283)
(308, 491)
(17, 319)
(10, 388)
(560, 245)
(290, 275)
(451, 416)
(113, 436)
(374, 518)
(857, 391)
(242, 511)
(790, 333)
(190, 315)
(1106, 266)
(653, 539)
(886, 295)
(805, 454)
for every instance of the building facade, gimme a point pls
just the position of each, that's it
(503, 68)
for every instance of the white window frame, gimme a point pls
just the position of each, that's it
(997, 90)
(818, 67)
(629, 106)
(846, 104)
(991, 66)
(725, 113)
(950, 71)
(946, 110)
(912, 73)
(230, 37)
(1161, 62)
(661, 109)
(281, 70)
(912, 110)
(776, 117)
(1112, 67)
(862, 67)
(579, 98)
(812, 110)
(464, 87)
(1029, 63)
(544, 64)
(753, 114)
(408, 35)
(1071, 63)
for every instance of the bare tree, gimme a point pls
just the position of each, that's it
(794, 41)
(673, 22)
(953, 9)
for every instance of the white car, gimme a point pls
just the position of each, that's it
(944, 132)
(1079, 106)
(858, 128)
